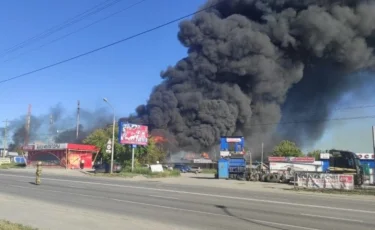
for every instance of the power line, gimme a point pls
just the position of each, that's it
(57, 28)
(109, 45)
(22, 44)
(355, 107)
(314, 121)
(78, 30)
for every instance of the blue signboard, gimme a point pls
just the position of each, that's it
(234, 144)
(19, 160)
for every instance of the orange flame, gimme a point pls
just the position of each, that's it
(159, 139)
(205, 155)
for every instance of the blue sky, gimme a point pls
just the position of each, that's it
(125, 73)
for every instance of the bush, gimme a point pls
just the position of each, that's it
(140, 170)
(209, 171)
(11, 165)
(11, 226)
(166, 173)
(147, 172)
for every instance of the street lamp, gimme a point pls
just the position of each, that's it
(113, 133)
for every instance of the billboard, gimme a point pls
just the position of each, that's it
(131, 134)
(365, 156)
(325, 181)
(292, 159)
(51, 146)
(231, 145)
(306, 167)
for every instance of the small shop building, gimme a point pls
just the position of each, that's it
(65, 155)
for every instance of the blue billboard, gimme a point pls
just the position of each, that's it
(232, 145)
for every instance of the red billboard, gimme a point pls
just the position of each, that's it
(131, 134)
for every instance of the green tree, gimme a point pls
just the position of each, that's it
(143, 154)
(287, 149)
(100, 137)
(152, 152)
(315, 154)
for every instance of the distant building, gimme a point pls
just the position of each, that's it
(2, 152)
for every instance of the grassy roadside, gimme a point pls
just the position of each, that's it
(209, 171)
(141, 172)
(369, 192)
(6, 225)
(10, 166)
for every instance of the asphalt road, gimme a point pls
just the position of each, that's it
(196, 207)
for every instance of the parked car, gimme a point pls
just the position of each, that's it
(195, 169)
(105, 168)
(182, 168)
(186, 168)
(168, 167)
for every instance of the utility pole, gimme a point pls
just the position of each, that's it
(250, 160)
(261, 161)
(5, 137)
(78, 109)
(50, 139)
(27, 126)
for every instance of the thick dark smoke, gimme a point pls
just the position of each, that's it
(256, 62)
(62, 129)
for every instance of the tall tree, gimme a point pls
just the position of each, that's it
(100, 137)
(143, 154)
(152, 153)
(287, 149)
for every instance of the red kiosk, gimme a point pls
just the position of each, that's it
(65, 155)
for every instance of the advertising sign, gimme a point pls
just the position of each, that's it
(306, 167)
(292, 159)
(365, 156)
(131, 134)
(324, 156)
(325, 181)
(233, 139)
(51, 146)
(202, 161)
(4, 161)
(19, 160)
(28, 147)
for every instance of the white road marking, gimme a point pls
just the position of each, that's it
(166, 207)
(332, 218)
(164, 197)
(273, 202)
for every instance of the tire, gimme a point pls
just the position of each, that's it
(276, 178)
(269, 178)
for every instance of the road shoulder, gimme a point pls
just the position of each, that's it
(60, 217)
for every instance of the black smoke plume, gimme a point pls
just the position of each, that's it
(257, 62)
(63, 126)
